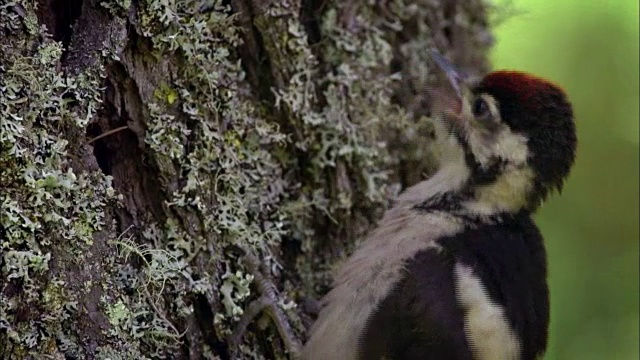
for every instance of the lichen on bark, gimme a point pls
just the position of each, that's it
(283, 128)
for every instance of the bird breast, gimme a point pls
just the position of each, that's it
(368, 276)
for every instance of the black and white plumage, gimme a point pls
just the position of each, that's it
(456, 269)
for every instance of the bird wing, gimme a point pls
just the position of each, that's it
(419, 319)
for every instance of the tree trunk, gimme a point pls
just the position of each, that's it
(150, 147)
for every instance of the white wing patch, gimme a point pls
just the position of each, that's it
(487, 330)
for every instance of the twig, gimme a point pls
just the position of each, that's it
(105, 134)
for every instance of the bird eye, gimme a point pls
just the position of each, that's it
(481, 109)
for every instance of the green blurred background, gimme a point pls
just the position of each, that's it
(591, 49)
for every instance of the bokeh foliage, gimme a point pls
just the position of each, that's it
(591, 49)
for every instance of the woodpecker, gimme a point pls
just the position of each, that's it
(457, 268)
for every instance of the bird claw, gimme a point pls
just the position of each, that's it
(268, 302)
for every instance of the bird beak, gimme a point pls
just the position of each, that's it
(454, 76)
(450, 98)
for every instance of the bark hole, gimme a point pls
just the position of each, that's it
(311, 18)
(253, 56)
(59, 16)
(204, 317)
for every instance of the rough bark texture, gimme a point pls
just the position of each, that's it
(282, 128)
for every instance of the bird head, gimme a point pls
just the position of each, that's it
(513, 132)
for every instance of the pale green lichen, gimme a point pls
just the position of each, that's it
(16, 14)
(165, 135)
(342, 117)
(48, 206)
(231, 151)
(237, 146)
(117, 8)
(234, 289)
(118, 314)
(19, 264)
(138, 319)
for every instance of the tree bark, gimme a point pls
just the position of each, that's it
(149, 147)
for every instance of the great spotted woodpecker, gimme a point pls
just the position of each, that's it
(456, 268)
